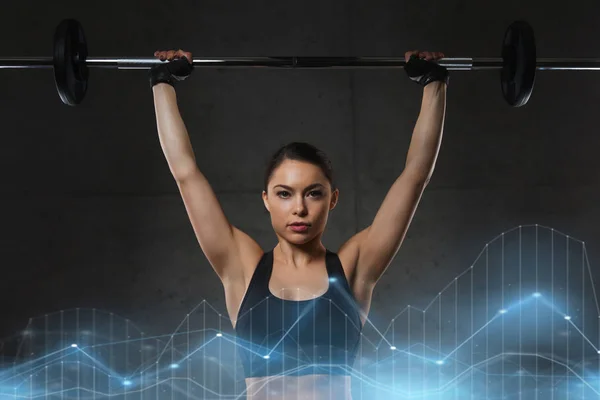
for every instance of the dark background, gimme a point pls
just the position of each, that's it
(91, 216)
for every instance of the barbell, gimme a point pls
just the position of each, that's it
(518, 63)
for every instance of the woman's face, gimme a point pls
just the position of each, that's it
(299, 192)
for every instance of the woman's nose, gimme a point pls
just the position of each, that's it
(300, 207)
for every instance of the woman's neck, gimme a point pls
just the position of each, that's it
(299, 256)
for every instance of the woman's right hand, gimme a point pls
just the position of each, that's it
(179, 67)
(170, 55)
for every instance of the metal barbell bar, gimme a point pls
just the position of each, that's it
(518, 63)
(453, 64)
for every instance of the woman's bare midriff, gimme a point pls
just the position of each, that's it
(308, 387)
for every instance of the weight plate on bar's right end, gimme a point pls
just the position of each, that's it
(518, 63)
(70, 71)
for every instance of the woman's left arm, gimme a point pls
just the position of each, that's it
(378, 244)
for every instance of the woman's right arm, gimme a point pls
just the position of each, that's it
(221, 243)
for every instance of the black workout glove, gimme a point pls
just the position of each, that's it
(424, 72)
(171, 72)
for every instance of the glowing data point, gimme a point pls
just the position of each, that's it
(73, 345)
(568, 318)
(173, 366)
(127, 383)
(392, 347)
(219, 334)
(503, 311)
(439, 362)
(266, 357)
(332, 279)
(537, 294)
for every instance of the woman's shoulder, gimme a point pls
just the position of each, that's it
(249, 252)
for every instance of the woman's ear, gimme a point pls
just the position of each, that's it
(335, 195)
(265, 200)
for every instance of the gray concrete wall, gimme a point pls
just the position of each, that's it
(92, 218)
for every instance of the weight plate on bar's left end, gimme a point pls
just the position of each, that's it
(70, 71)
(518, 63)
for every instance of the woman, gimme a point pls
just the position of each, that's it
(298, 309)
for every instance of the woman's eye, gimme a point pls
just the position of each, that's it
(314, 193)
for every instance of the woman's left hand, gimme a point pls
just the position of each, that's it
(425, 55)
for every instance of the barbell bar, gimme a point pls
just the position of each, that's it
(518, 63)
(453, 64)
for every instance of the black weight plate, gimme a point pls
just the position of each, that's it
(70, 70)
(519, 63)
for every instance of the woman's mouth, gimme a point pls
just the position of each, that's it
(299, 227)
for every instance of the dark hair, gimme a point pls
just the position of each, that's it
(300, 151)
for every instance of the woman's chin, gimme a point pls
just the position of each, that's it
(298, 239)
